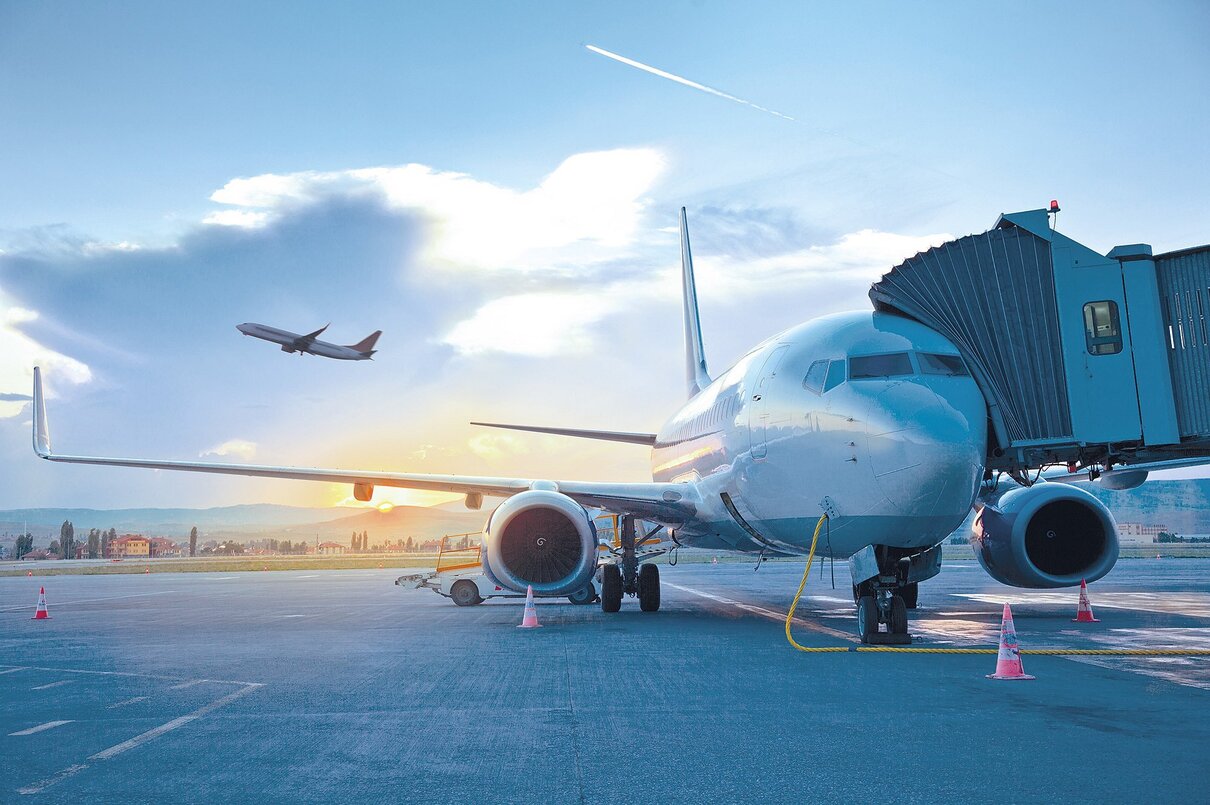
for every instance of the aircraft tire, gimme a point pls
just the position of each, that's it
(867, 618)
(911, 594)
(899, 619)
(464, 593)
(649, 588)
(611, 588)
(585, 596)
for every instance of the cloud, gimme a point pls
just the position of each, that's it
(232, 447)
(495, 446)
(583, 212)
(20, 353)
(533, 324)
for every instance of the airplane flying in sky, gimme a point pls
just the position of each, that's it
(870, 417)
(310, 344)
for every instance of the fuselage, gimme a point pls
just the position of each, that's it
(867, 413)
(294, 342)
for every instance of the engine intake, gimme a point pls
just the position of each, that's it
(541, 538)
(1048, 535)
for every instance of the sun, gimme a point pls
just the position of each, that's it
(385, 506)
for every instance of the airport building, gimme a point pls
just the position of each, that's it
(1139, 533)
(130, 546)
(331, 549)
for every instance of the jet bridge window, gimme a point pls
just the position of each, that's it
(934, 364)
(891, 364)
(1102, 331)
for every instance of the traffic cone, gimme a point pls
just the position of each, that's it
(29, 573)
(1084, 611)
(41, 614)
(1008, 660)
(146, 570)
(530, 621)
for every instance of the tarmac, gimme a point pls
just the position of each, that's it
(336, 686)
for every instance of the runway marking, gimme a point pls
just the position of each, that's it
(60, 683)
(138, 740)
(131, 673)
(49, 725)
(135, 700)
(91, 600)
(308, 577)
(12, 670)
(1191, 604)
(289, 616)
(222, 578)
(188, 684)
(780, 617)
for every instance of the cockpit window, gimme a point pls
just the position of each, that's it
(934, 364)
(835, 375)
(816, 374)
(892, 364)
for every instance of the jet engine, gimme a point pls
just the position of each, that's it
(542, 538)
(1047, 535)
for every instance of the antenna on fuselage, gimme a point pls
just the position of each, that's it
(697, 377)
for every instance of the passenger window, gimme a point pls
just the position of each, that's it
(892, 364)
(934, 364)
(1102, 332)
(816, 375)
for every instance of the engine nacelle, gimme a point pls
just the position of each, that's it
(541, 538)
(1048, 535)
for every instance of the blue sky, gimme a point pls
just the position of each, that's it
(472, 180)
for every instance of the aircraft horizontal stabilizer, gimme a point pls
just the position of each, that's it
(602, 435)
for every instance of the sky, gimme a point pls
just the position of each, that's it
(501, 200)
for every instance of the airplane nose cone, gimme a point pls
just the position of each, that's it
(924, 454)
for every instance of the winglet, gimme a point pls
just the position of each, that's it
(41, 431)
(697, 377)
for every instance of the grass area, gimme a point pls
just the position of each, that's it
(419, 561)
(224, 564)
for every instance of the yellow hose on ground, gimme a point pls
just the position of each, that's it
(1106, 652)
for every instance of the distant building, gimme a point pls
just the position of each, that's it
(130, 546)
(1139, 533)
(331, 549)
(162, 546)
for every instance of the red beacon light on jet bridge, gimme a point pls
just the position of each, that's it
(1054, 205)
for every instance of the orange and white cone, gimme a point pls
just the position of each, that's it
(41, 614)
(1084, 611)
(530, 621)
(1008, 660)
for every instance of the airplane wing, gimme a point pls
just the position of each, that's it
(603, 435)
(670, 503)
(312, 336)
(1061, 475)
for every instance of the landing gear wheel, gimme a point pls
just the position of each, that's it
(911, 594)
(649, 588)
(899, 620)
(611, 588)
(867, 618)
(464, 593)
(585, 596)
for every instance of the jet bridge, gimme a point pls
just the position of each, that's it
(1086, 359)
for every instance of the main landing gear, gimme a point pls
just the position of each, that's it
(628, 577)
(886, 599)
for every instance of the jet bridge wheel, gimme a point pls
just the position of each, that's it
(464, 593)
(611, 588)
(649, 588)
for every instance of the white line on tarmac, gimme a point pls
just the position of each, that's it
(138, 740)
(220, 578)
(54, 684)
(49, 725)
(91, 600)
(12, 670)
(131, 673)
(136, 699)
(307, 577)
(780, 617)
(188, 684)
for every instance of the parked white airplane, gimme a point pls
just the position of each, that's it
(869, 417)
(309, 344)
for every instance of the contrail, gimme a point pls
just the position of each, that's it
(678, 79)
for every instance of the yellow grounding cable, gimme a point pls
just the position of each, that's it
(1104, 652)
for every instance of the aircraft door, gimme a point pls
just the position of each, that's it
(759, 408)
